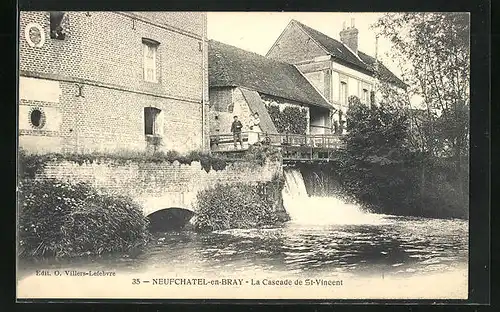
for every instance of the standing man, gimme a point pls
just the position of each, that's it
(236, 130)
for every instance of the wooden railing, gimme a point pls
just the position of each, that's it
(308, 140)
(328, 141)
(225, 138)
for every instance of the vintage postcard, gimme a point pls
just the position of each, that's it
(243, 155)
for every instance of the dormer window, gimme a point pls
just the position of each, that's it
(150, 48)
(56, 29)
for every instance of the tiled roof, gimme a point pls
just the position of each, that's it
(232, 66)
(384, 72)
(340, 52)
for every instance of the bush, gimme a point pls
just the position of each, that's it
(260, 154)
(60, 219)
(240, 206)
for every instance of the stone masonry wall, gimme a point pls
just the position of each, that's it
(157, 186)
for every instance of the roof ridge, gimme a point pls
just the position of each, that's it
(347, 54)
(350, 50)
(308, 33)
(308, 28)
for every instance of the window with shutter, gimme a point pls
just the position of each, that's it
(56, 27)
(149, 59)
(153, 121)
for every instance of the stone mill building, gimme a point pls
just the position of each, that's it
(112, 81)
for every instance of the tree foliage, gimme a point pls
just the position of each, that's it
(378, 167)
(433, 50)
(291, 119)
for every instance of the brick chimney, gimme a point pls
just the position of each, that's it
(349, 36)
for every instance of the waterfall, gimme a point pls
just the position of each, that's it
(294, 184)
(315, 210)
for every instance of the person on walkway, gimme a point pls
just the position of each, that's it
(254, 126)
(236, 130)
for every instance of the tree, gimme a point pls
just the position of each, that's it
(434, 54)
(378, 166)
(372, 162)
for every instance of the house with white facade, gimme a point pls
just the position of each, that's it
(336, 68)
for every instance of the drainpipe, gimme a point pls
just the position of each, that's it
(203, 40)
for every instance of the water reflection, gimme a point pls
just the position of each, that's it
(401, 246)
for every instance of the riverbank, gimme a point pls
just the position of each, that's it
(397, 190)
(58, 219)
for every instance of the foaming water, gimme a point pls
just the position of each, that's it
(312, 210)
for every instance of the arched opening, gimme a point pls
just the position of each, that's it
(169, 219)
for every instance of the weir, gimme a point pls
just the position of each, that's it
(320, 210)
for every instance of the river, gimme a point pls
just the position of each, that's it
(375, 256)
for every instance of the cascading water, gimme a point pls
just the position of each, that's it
(314, 210)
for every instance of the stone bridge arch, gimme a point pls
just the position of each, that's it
(169, 219)
(169, 211)
(152, 203)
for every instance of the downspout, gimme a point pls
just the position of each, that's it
(203, 72)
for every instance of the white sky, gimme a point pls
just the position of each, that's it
(257, 31)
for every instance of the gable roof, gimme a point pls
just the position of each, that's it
(384, 73)
(341, 53)
(235, 67)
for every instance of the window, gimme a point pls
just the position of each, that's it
(56, 29)
(152, 121)
(366, 96)
(343, 93)
(149, 59)
(37, 118)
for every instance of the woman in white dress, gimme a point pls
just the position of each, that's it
(254, 126)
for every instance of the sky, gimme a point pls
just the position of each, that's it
(257, 31)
